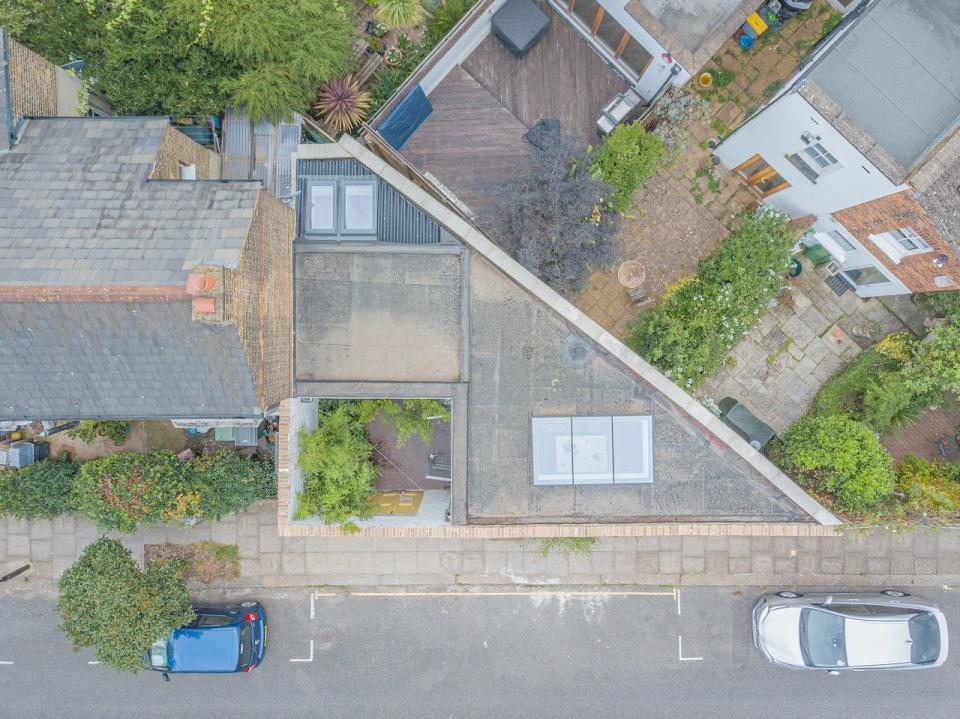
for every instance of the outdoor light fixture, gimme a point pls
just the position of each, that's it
(940, 260)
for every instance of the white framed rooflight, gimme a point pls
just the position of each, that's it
(359, 207)
(323, 218)
(592, 450)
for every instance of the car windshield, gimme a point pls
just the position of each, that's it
(925, 633)
(246, 646)
(822, 638)
(158, 655)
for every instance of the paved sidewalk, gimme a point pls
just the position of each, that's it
(930, 558)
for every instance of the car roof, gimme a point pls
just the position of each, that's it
(204, 649)
(873, 642)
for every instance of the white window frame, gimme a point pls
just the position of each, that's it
(332, 229)
(892, 243)
(806, 156)
(372, 230)
(841, 239)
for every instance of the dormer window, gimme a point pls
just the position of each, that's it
(814, 160)
(340, 208)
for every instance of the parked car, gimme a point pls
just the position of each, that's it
(855, 630)
(221, 638)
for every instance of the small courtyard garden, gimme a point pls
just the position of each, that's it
(839, 449)
(355, 443)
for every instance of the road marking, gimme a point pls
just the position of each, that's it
(313, 608)
(676, 595)
(92, 663)
(306, 660)
(6, 663)
(680, 652)
(599, 593)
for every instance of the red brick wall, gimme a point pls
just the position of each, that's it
(892, 212)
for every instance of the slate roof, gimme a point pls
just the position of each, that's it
(136, 360)
(77, 208)
(894, 77)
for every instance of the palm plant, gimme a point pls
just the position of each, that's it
(445, 16)
(342, 103)
(400, 13)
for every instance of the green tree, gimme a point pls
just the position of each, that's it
(935, 369)
(839, 456)
(39, 490)
(338, 470)
(407, 417)
(627, 158)
(106, 602)
(229, 482)
(89, 431)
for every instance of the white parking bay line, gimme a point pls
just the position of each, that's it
(536, 593)
(93, 662)
(6, 663)
(680, 652)
(310, 659)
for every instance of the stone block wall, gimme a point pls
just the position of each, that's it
(177, 148)
(896, 211)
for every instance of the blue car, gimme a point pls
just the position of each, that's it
(221, 638)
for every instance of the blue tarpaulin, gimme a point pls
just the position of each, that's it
(406, 117)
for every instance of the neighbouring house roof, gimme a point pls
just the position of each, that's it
(137, 360)
(77, 207)
(890, 84)
(937, 185)
(463, 320)
(6, 114)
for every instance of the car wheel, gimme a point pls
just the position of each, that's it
(247, 605)
(894, 593)
(789, 595)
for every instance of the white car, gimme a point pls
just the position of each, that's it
(852, 630)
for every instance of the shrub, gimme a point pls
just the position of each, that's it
(890, 404)
(338, 471)
(554, 220)
(389, 79)
(39, 490)
(898, 347)
(690, 332)
(928, 487)
(841, 457)
(936, 367)
(843, 393)
(106, 602)
(124, 489)
(342, 103)
(406, 418)
(89, 431)
(627, 158)
(229, 482)
(399, 13)
(945, 304)
(444, 17)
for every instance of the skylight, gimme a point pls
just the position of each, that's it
(358, 207)
(322, 215)
(592, 450)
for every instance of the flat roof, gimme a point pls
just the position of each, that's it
(895, 74)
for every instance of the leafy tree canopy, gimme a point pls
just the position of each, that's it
(108, 603)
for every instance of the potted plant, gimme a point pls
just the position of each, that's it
(374, 45)
(379, 29)
(393, 56)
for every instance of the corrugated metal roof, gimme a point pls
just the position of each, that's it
(236, 152)
(398, 220)
(259, 152)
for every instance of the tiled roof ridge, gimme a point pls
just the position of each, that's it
(104, 293)
(713, 426)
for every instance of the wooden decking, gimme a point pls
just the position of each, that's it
(562, 77)
(482, 109)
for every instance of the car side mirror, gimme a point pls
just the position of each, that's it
(828, 601)
(166, 677)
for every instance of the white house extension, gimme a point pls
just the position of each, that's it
(863, 142)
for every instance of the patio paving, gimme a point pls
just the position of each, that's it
(786, 357)
(684, 210)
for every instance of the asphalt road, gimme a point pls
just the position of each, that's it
(613, 653)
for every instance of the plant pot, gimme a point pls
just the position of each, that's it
(705, 80)
(795, 267)
(393, 57)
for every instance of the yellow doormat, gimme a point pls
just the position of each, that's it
(401, 502)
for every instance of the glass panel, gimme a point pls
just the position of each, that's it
(358, 206)
(586, 11)
(632, 455)
(753, 167)
(552, 450)
(822, 639)
(841, 240)
(635, 57)
(909, 239)
(610, 32)
(770, 183)
(592, 450)
(321, 208)
(213, 620)
(866, 276)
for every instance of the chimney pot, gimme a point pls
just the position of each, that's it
(204, 305)
(197, 284)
